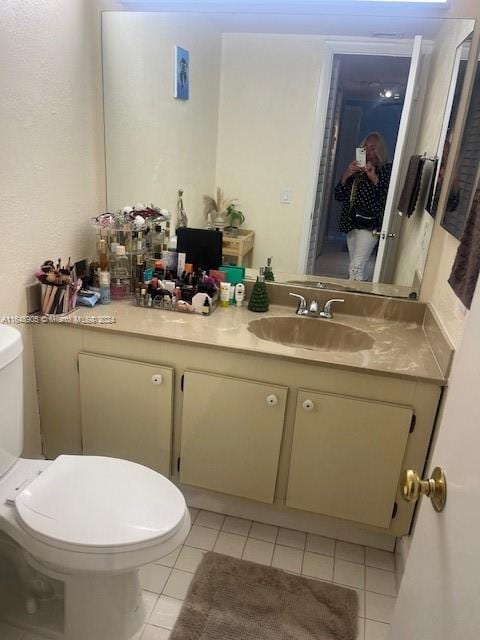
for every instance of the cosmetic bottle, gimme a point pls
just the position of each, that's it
(269, 277)
(102, 255)
(225, 294)
(104, 279)
(206, 307)
(239, 294)
(158, 241)
(118, 289)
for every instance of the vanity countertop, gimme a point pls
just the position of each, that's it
(399, 348)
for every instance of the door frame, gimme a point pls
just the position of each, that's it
(332, 47)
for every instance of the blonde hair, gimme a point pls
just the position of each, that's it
(382, 149)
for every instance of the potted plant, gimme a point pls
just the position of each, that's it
(218, 211)
(235, 218)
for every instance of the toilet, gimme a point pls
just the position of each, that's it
(88, 521)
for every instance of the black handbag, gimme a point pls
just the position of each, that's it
(360, 219)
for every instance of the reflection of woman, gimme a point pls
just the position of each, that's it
(363, 191)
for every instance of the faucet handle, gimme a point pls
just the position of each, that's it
(327, 309)
(302, 304)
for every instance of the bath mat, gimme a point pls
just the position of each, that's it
(232, 599)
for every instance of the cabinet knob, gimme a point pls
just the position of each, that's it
(157, 379)
(272, 400)
(308, 405)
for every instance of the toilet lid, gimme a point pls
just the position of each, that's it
(92, 501)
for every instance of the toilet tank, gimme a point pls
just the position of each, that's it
(11, 397)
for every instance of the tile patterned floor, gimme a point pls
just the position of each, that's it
(369, 571)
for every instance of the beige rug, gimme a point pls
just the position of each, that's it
(232, 599)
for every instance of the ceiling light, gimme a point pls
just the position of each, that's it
(386, 93)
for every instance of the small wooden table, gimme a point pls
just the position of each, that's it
(238, 246)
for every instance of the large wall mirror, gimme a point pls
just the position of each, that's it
(467, 168)
(310, 122)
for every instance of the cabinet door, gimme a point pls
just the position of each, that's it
(126, 410)
(231, 435)
(347, 456)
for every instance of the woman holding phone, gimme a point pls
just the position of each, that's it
(363, 190)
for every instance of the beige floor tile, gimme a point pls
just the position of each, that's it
(165, 612)
(237, 525)
(193, 513)
(350, 574)
(320, 544)
(230, 544)
(380, 559)
(376, 630)
(189, 559)
(265, 532)
(291, 538)
(258, 551)
(155, 633)
(316, 565)
(149, 601)
(361, 602)
(170, 559)
(350, 552)
(379, 607)
(177, 584)
(202, 537)
(210, 519)
(361, 629)
(153, 577)
(287, 558)
(381, 581)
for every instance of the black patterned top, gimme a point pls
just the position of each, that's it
(370, 200)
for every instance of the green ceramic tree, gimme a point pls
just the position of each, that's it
(259, 297)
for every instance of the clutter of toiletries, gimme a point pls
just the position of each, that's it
(139, 258)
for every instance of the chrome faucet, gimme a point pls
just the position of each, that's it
(304, 310)
(326, 312)
(302, 305)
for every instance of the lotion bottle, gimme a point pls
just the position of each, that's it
(239, 293)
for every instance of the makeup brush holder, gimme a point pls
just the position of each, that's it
(58, 300)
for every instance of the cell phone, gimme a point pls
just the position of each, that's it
(361, 157)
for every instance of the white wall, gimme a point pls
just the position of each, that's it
(268, 93)
(155, 143)
(52, 160)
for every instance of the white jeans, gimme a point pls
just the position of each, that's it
(361, 243)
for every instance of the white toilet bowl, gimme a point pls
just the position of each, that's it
(91, 522)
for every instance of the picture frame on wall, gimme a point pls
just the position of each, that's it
(181, 85)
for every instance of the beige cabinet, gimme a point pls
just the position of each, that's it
(231, 435)
(126, 410)
(347, 456)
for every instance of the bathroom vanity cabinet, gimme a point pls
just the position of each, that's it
(231, 435)
(129, 415)
(304, 438)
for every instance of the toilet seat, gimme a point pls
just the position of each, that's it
(100, 505)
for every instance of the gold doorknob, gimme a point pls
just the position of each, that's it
(434, 488)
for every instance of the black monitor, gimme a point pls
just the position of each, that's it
(203, 248)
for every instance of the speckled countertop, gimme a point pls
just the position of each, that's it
(399, 348)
